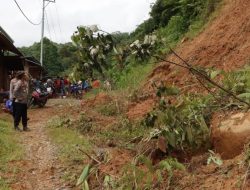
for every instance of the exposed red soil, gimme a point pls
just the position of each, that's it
(230, 176)
(231, 135)
(99, 99)
(119, 159)
(224, 44)
(138, 110)
(40, 168)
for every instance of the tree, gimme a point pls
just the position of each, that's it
(93, 47)
(51, 56)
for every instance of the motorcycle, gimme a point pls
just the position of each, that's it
(76, 91)
(50, 89)
(38, 98)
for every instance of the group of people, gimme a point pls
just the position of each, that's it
(62, 86)
(18, 99)
(17, 104)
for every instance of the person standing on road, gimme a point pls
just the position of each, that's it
(20, 93)
(11, 95)
(62, 87)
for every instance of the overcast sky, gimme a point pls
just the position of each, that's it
(66, 15)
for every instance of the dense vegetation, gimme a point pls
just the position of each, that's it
(176, 16)
(58, 58)
(115, 58)
(178, 124)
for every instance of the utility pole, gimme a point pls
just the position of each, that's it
(42, 32)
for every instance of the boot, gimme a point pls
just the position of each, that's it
(26, 129)
(17, 129)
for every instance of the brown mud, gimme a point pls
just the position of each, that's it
(39, 169)
(223, 44)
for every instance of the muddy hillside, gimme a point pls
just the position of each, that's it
(224, 43)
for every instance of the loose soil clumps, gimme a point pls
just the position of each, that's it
(232, 135)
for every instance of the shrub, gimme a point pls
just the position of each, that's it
(184, 124)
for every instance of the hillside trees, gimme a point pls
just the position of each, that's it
(51, 56)
(67, 56)
(93, 47)
(187, 12)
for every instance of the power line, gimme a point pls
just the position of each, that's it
(52, 25)
(47, 20)
(25, 15)
(57, 14)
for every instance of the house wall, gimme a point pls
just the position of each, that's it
(4, 79)
(26, 66)
(35, 73)
(1, 75)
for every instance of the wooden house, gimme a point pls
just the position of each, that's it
(11, 60)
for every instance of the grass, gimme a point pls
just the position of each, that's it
(3, 185)
(200, 24)
(122, 132)
(9, 148)
(108, 110)
(133, 77)
(68, 140)
(92, 93)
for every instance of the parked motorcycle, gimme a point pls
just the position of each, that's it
(76, 91)
(38, 98)
(51, 90)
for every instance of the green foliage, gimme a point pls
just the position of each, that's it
(84, 124)
(174, 30)
(67, 56)
(52, 62)
(110, 109)
(183, 124)
(67, 138)
(93, 48)
(109, 183)
(213, 158)
(135, 177)
(9, 150)
(4, 185)
(143, 50)
(237, 81)
(131, 77)
(83, 178)
(167, 91)
(166, 13)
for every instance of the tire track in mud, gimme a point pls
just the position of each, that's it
(40, 169)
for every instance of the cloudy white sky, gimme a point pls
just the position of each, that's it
(65, 15)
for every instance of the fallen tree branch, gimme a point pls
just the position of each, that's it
(196, 73)
(209, 79)
(91, 157)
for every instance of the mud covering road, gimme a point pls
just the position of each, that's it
(39, 170)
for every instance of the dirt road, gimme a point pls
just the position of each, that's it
(39, 170)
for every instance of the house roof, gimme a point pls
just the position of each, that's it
(12, 62)
(33, 62)
(6, 34)
(6, 43)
